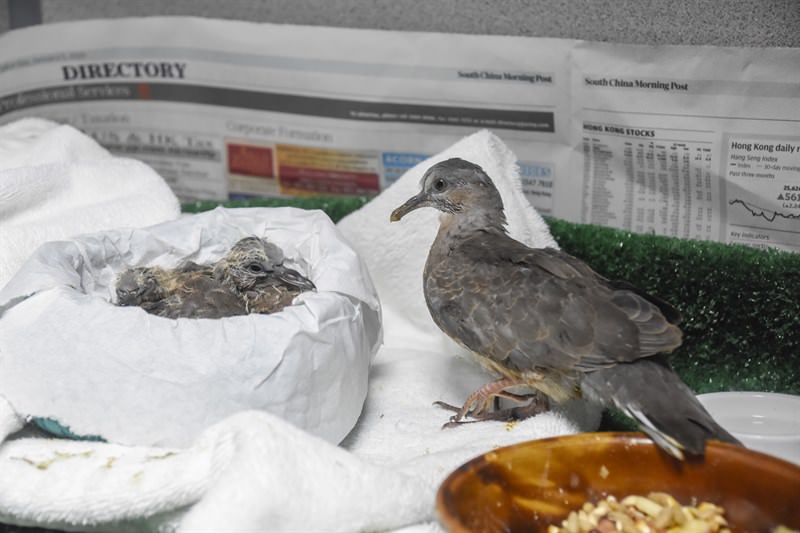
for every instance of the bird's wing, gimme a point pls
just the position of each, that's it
(541, 308)
(191, 266)
(199, 296)
(563, 265)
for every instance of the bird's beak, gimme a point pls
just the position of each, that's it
(420, 200)
(294, 278)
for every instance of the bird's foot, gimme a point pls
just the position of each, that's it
(538, 404)
(478, 404)
(456, 419)
(483, 404)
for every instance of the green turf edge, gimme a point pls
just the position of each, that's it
(335, 207)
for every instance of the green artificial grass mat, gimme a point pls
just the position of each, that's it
(740, 306)
(335, 207)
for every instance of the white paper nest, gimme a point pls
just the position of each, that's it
(68, 354)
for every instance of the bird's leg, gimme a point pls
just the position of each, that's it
(479, 404)
(539, 404)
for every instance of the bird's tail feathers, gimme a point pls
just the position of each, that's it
(662, 440)
(650, 392)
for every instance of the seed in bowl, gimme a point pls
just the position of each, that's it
(655, 512)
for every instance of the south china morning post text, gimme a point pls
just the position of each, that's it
(528, 77)
(622, 83)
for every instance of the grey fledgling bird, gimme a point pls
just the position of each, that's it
(254, 270)
(250, 278)
(541, 318)
(185, 292)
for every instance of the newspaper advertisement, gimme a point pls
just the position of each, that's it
(692, 142)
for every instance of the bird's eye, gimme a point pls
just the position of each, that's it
(255, 268)
(439, 184)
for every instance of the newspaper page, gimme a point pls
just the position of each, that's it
(692, 142)
(226, 109)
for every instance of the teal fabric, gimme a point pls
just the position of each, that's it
(57, 430)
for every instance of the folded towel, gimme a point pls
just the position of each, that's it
(253, 471)
(56, 182)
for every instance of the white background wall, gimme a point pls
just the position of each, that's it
(715, 22)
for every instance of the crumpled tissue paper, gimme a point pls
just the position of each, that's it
(133, 378)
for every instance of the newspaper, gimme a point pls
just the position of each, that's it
(693, 142)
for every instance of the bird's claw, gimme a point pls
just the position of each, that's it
(456, 419)
(447, 406)
(538, 404)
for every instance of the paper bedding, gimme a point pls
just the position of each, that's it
(165, 381)
(343, 438)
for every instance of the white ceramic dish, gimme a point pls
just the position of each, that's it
(764, 421)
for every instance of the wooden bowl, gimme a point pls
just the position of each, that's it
(528, 486)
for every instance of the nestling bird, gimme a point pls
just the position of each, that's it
(250, 278)
(185, 292)
(543, 319)
(254, 270)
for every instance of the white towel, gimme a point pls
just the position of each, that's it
(56, 182)
(255, 472)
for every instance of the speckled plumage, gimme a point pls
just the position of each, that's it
(254, 270)
(250, 278)
(177, 293)
(544, 319)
